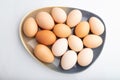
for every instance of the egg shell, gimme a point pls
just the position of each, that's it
(82, 29)
(43, 53)
(59, 15)
(74, 17)
(96, 26)
(30, 27)
(45, 20)
(68, 60)
(85, 57)
(60, 47)
(62, 30)
(92, 41)
(45, 37)
(75, 43)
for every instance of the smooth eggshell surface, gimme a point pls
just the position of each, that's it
(82, 29)
(45, 37)
(75, 43)
(45, 20)
(96, 26)
(30, 27)
(43, 53)
(85, 57)
(60, 47)
(92, 41)
(68, 60)
(74, 17)
(59, 15)
(62, 30)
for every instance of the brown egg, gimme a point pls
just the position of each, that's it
(43, 53)
(82, 29)
(45, 20)
(30, 27)
(45, 37)
(92, 41)
(62, 30)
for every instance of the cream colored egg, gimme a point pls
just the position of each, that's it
(60, 47)
(62, 30)
(59, 15)
(45, 20)
(43, 53)
(82, 29)
(85, 57)
(92, 41)
(96, 26)
(68, 60)
(74, 17)
(75, 43)
(30, 27)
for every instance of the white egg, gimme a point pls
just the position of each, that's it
(75, 43)
(68, 60)
(60, 47)
(74, 17)
(85, 57)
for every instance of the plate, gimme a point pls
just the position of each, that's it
(30, 43)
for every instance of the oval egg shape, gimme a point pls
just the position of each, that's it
(96, 26)
(45, 20)
(92, 41)
(30, 27)
(43, 53)
(62, 30)
(59, 15)
(82, 29)
(85, 57)
(60, 47)
(68, 60)
(75, 43)
(74, 17)
(45, 37)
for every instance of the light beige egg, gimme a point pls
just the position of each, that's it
(82, 29)
(74, 17)
(45, 20)
(96, 26)
(30, 27)
(92, 41)
(75, 43)
(60, 47)
(43, 53)
(68, 60)
(85, 57)
(59, 15)
(62, 30)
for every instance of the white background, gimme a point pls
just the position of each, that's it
(17, 64)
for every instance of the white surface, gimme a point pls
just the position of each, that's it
(17, 64)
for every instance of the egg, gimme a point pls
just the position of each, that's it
(85, 57)
(92, 41)
(82, 29)
(43, 53)
(60, 47)
(68, 60)
(74, 17)
(30, 27)
(45, 37)
(96, 26)
(45, 20)
(62, 30)
(59, 15)
(75, 43)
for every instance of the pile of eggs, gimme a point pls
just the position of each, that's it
(64, 35)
